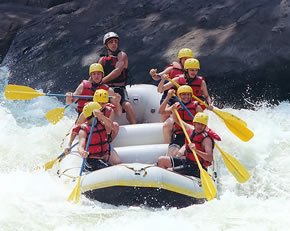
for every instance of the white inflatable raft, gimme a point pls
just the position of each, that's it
(138, 181)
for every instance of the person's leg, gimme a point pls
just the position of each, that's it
(173, 150)
(113, 158)
(163, 117)
(164, 162)
(115, 130)
(130, 114)
(167, 130)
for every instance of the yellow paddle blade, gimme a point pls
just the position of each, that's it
(242, 132)
(208, 185)
(76, 193)
(228, 115)
(55, 115)
(49, 164)
(235, 125)
(234, 166)
(17, 92)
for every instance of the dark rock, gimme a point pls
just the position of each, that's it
(12, 18)
(243, 46)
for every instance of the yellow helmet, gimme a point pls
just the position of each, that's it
(89, 107)
(191, 64)
(185, 53)
(101, 96)
(96, 67)
(184, 89)
(201, 118)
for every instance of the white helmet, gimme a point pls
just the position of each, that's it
(110, 35)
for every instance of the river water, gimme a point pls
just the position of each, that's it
(36, 200)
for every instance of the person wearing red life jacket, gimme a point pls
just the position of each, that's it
(101, 96)
(184, 93)
(115, 65)
(88, 87)
(202, 141)
(190, 77)
(99, 154)
(173, 70)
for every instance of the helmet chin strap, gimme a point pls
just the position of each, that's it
(114, 53)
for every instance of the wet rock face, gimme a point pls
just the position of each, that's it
(243, 46)
(15, 14)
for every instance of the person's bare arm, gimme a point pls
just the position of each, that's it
(198, 109)
(206, 95)
(82, 143)
(164, 109)
(157, 76)
(115, 99)
(69, 95)
(81, 119)
(163, 87)
(108, 123)
(120, 65)
(208, 153)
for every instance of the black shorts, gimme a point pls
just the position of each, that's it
(92, 164)
(122, 92)
(177, 139)
(185, 167)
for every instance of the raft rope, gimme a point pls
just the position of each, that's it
(138, 171)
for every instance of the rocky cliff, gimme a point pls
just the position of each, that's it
(243, 46)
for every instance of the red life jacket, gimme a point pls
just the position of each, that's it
(176, 71)
(109, 64)
(89, 89)
(99, 145)
(191, 106)
(197, 140)
(195, 84)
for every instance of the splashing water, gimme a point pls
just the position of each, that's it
(36, 200)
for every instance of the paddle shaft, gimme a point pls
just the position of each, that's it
(187, 138)
(63, 154)
(88, 144)
(74, 96)
(184, 107)
(239, 172)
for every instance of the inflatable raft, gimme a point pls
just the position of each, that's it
(137, 181)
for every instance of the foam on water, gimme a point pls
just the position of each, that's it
(36, 200)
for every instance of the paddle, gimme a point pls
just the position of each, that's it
(232, 164)
(49, 164)
(206, 181)
(76, 192)
(233, 123)
(18, 92)
(56, 114)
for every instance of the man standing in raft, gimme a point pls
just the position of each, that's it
(115, 65)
